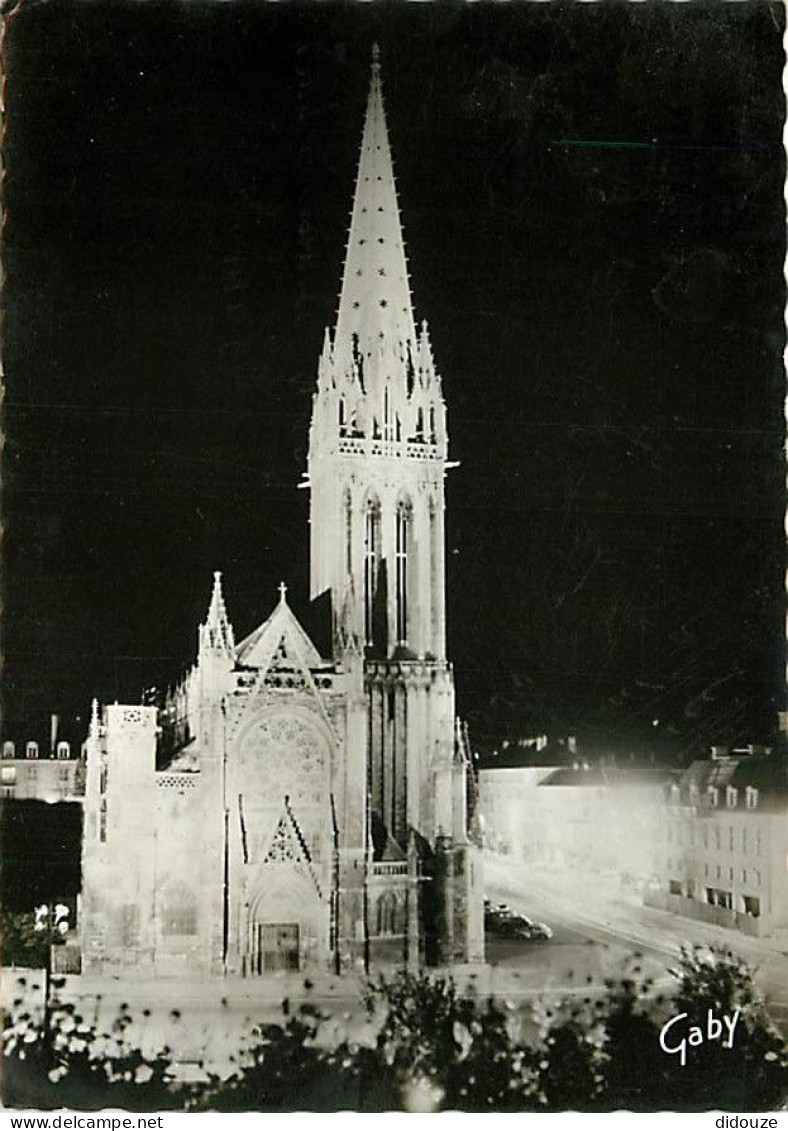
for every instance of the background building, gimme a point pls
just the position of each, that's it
(32, 771)
(544, 803)
(724, 841)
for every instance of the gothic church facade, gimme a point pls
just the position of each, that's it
(289, 811)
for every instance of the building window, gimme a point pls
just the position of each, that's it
(717, 837)
(342, 420)
(402, 549)
(693, 794)
(179, 912)
(129, 924)
(674, 887)
(705, 836)
(8, 775)
(371, 565)
(388, 431)
(348, 507)
(63, 750)
(757, 842)
(730, 838)
(31, 750)
(744, 875)
(387, 914)
(757, 878)
(713, 796)
(435, 580)
(731, 797)
(744, 841)
(103, 820)
(8, 750)
(751, 797)
(752, 906)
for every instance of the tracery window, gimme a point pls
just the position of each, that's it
(286, 756)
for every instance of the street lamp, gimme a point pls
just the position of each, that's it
(52, 920)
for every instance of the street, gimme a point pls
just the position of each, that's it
(617, 925)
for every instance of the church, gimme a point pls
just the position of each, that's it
(283, 810)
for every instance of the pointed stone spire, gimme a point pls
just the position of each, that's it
(375, 297)
(216, 635)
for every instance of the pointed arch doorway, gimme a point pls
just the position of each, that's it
(285, 929)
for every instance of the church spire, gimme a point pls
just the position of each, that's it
(375, 298)
(378, 439)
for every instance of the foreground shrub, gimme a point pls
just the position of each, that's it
(69, 1063)
(426, 1046)
(447, 1050)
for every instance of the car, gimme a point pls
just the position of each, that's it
(520, 927)
(541, 931)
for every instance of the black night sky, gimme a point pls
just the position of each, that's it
(592, 204)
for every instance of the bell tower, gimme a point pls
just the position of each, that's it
(378, 457)
(378, 444)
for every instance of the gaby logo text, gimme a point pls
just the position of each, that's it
(674, 1038)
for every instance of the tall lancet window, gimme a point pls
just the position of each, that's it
(387, 429)
(434, 580)
(371, 564)
(402, 547)
(348, 516)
